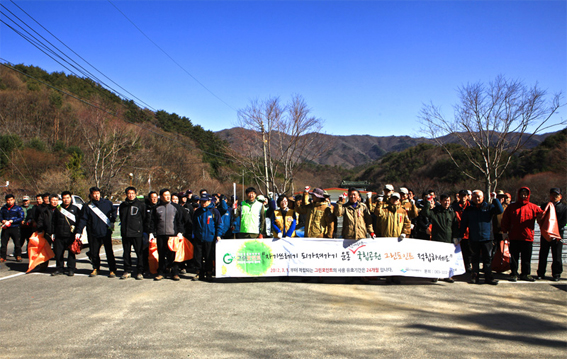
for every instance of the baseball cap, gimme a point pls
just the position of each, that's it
(318, 192)
(555, 190)
(204, 197)
(404, 190)
(389, 187)
(26, 198)
(395, 194)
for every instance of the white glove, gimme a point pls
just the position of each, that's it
(151, 236)
(77, 236)
(380, 199)
(493, 195)
(372, 235)
(505, 236)
(179, 235)
(280, 235)
(412, 201)
(401, 237)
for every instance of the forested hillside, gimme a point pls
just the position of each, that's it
(52, 141)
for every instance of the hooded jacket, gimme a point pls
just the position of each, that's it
(357, 222)
(519, 218)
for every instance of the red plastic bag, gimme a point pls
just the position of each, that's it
(501, 260)
(76, 246)
(39, 250)
(548, 226)
(182, 247)
(153, 258)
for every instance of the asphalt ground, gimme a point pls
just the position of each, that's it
(82, 317)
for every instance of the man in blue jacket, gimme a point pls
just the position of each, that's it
(478, 219)
(207, 228)
(99, 217)
(12, 216)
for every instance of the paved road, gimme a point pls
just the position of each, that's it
(82, 317)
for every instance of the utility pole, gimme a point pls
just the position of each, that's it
(264, 141)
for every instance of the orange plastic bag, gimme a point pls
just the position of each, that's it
(153, 258)
(182, 247)
(548, 226)
(39, 251)
(501, 260)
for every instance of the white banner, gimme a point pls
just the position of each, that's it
(321, 257)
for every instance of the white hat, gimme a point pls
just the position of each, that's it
(389, 187)
(261, 198)
(395, 194)
(404, 190)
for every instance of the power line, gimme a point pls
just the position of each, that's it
(107, 112)
(171, 58)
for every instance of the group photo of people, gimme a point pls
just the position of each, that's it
(487, 227)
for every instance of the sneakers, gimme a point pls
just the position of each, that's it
(71, 273)
(158, 277)
(126, 275)
(196, 277)
(175, 277)
(56, 273)
(527, 278)
(94, 273)
(139, 276)
(183, 271)
(111, 275)
(555, 278)
(513, 278)
(18, 259)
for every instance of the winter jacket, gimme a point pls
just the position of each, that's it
(284, 222)
(357, 222)
(166, 219)
(393, 220)
(478, 220)
(95, 225)
(14, 213)
(45, 221)
(207, 223)
(444, 223)
(519, 218)
(133, 221)
(63, 226)
(459, 209)
(223, 209)
(319, 218)
(410, 208)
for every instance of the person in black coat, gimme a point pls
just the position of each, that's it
(63, 223)
(99, 217)
(133, 224)
(556, 245)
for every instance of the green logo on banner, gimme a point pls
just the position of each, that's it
(227, 258)
(254, 258)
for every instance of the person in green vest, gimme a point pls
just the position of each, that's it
(252, 216)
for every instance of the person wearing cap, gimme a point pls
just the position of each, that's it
(318, 215)
(12, 217)
(166, 221)
(497, 220)
(27, 228)
(394, 222)
(357, 221)
(408, 204)
(555, 245)
(206, 229)
(477, 218)
(252, 216)
(284, 219)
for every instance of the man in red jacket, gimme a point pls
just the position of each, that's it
(518, 224)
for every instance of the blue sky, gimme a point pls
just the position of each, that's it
(364, 67)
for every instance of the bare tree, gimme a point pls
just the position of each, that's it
(493, 122)
(282, 137)
(110, 145)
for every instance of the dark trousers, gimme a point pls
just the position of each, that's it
(7, 233)
(127, 243)
(466, 251)
(25, 232)
(523, 248)
(95, 244)
(166, 256)
(483, 249)
(208, 256)
(497, 240)
(556, 248)
(61, 245)
(197, 254)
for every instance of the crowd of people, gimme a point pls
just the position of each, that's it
(477, 223)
